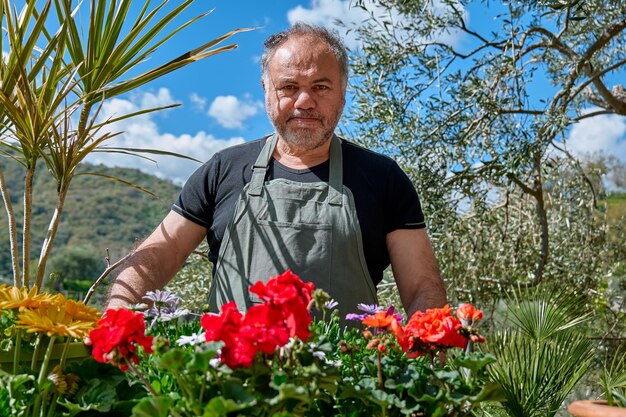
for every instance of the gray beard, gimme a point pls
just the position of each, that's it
(304, 139)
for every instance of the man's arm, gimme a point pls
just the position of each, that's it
(156, 260)
(415, 270)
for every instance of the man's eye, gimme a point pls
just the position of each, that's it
(321, 87)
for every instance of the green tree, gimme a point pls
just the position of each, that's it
(75, 268)
(481, 125)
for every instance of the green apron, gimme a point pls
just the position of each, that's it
(310, 228)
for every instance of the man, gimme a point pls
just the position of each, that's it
(301, 199)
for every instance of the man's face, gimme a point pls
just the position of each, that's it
(304, 97)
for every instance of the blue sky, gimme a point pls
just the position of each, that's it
(221, 97)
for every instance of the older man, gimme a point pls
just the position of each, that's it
(301, 199)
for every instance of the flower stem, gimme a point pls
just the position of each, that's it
(379, 365)
(354, 373)
(41, 396)
(17, 350)
(143, 380)
(46, 360)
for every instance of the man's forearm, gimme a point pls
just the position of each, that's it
(142, 272)
(429, 296)
(153, 264)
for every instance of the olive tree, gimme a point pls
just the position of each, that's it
(480, 117)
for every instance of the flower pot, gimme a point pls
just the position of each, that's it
(590, 408)
(75, 351)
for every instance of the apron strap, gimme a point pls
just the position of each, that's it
(335, 176)
(259, 169)
(335, 180)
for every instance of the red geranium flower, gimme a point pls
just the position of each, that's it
(224, 326)
(116, 337)
(284, 314)
(284, 288)
(265, 326)
(291, 296)
(468, 314)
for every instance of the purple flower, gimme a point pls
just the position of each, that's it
(330, 304)
(369, 308)
(353, 316)
(164, 306)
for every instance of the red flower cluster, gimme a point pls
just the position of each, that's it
(429, 331)
(284, 314)
(116, 337)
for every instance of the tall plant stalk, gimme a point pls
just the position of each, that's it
(50, 235)
(17, 280)
(26, 227)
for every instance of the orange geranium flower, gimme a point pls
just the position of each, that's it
(380, 320)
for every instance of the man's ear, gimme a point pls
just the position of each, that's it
(263, 84)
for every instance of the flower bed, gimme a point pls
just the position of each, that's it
(273, 360)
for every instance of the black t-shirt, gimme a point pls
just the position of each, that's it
(384, 196)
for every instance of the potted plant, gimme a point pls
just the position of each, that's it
(613, 382)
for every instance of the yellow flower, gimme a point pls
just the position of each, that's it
(22, 298)
(67, 318)
(80, 311)
(65, 384)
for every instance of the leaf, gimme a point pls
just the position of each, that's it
(233, 389)
(153, 407)
(289, 392)
(174, 360)
(201, 360)
(490, 392)
(220, 407)
(475, 361)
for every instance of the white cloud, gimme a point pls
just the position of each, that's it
(327, 12)
(142, 132)
(604, 133)
(161, 99)
(230, 112)
(198, 101)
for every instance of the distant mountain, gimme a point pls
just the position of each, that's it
(99, 213)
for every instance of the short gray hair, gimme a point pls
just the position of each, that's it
(331, 38)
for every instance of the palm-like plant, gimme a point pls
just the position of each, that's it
(542, 354)
(51, 95)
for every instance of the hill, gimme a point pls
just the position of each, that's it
(99, 213)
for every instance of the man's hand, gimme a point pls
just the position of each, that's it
(415, 270)
(156, 260)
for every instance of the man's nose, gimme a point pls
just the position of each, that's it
(305, 99)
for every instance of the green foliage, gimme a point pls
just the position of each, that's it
(76, 267)
(99, 214)
(191, 284)
(457, 105)
(613, 380)
(104, 390)
(541, 353)
(411, 386)
(16, 394)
